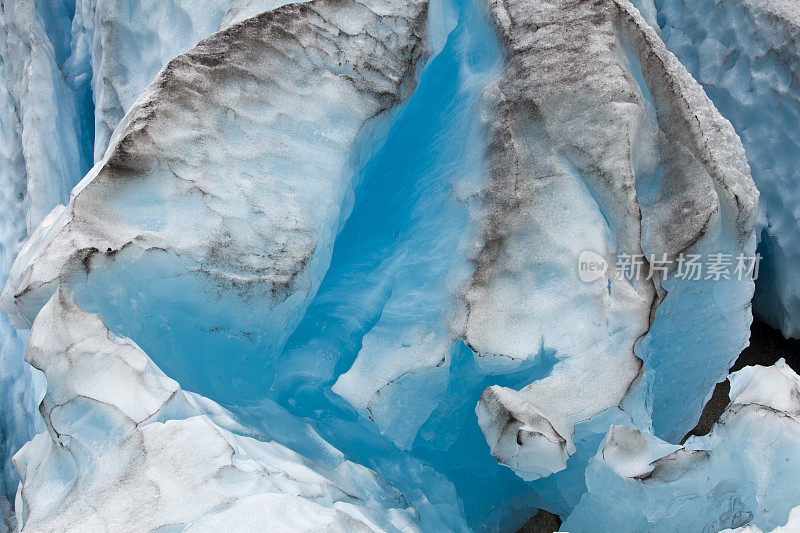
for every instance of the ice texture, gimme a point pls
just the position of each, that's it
(244, 9)
(791, 526)
(746, 471)
(746, 54)
(125, 445)
(356, 226)
(119, 46)
(40, 159)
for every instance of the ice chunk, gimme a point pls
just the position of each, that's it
(228, 178)
(125, 445)
(601, 141)
(746, 54)
(272, 138)
(746, 471)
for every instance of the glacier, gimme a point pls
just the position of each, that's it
(353, 229)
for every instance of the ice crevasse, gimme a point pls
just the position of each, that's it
(352, 229)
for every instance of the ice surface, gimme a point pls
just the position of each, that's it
(746, 471)
(119, 46)
(44, 126)
(289, 246)
(746, 54)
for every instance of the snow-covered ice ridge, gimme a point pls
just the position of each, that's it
(352, 229)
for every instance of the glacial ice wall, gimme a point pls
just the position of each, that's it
(293, 242)
(746, 54)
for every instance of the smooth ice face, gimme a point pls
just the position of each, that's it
(125, 445)
(17, 415)
(746, 471)
(601, 141)
(45, 131)
(746, 55)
